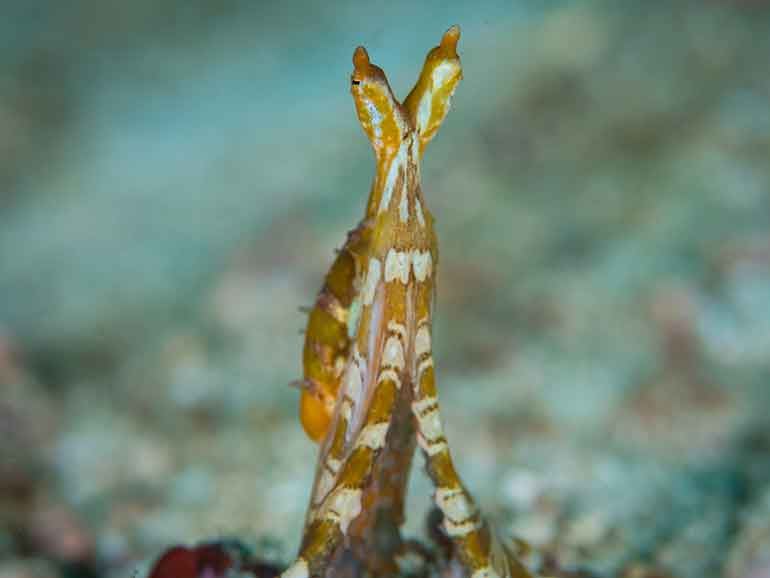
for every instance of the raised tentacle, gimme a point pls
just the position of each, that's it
(474, 545)
(383, 358)
(327, 336)
(429, 101)
(341, 502)
(385, 123)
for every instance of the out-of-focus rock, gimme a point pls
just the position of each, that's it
(57, 533)
(680, 409)
(28, 568)
(750, 555)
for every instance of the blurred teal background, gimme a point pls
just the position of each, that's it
(175, 176)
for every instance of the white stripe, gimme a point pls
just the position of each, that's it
(333, 464)
(390, 181)
(424, 110)
(372, 278)
(353, 381)
(424, 364)
(373, 436)
(431, 448)
(430, 425)
(325, 484)
(393, 354)
(397, 265)
(418, 211)
(397, 328)
(375, 118)
(423, 264)
(422, 341)
(454, 503)
(463, 529)
(390, 374)
(403, 207)
(346, 409)
(421, 405)
(344, 506)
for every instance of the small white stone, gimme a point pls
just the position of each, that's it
(297, 570)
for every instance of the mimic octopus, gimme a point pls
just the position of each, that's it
(369, 388)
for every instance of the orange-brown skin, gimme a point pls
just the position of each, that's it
(326, 338)
(369, 392)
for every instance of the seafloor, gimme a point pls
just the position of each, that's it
(175, 176)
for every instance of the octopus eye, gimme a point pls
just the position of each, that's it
(355, 82)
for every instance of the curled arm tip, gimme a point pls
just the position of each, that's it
(361, 60)
(449, 40)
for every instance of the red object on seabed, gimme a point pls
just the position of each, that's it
(205, 561)
(210, 560)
